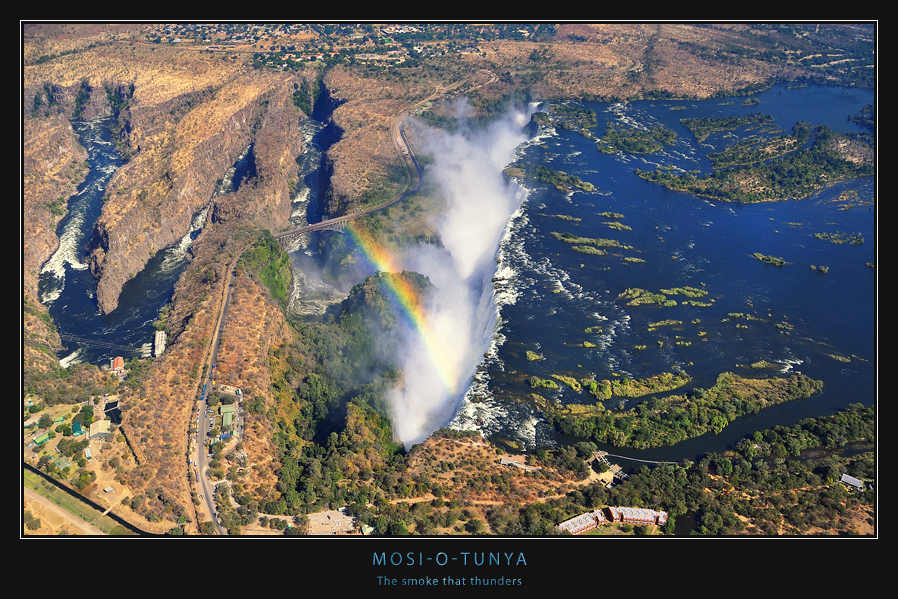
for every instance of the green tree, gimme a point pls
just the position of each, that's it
(398, 528)
(476, 526)
(32, 523)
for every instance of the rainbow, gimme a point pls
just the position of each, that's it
(434, 344)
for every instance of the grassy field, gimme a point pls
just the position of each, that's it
(614, 530)
(72, 505)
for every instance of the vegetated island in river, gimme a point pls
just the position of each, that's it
(597, 241)
(625, 387)
(635, 141)
(638, 297)
(702, 127)
(667, 421)
(568, 116)
(560, 179)
(792, 173)
(769, 259)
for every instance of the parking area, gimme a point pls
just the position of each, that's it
(331, 523)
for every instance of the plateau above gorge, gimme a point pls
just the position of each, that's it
(212, 140)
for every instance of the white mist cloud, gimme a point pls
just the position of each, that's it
(461, 314)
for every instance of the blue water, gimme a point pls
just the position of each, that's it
(686, 240)
(68, 288)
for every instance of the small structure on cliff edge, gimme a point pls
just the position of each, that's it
(159, 345)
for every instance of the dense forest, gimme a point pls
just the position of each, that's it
(667, 421)
(771, 484)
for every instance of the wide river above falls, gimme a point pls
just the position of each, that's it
(551, 295)
(554, 294)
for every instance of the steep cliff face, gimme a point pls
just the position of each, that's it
(184, 117)
(362, 164)
(265, 198)
(151, 200)
(52, 167)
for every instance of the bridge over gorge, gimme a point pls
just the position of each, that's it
(334, 224)
(402, 147)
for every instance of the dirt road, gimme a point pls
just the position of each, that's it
(54, 519)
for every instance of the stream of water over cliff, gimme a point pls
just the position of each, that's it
(539, 295)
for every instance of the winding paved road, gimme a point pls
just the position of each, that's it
(406, 155)
(404, 151)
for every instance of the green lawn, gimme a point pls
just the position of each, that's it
(71, 504)
(614, 530)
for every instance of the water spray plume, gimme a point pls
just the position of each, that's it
(411, 305)
(450, 331)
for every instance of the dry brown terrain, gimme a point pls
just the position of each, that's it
(48, 39)
(858, 520)
(470, 465)
(157, 415)
(191, 114)
(153, 198)
(55, 521)
(253, 327)
(627, 60)
(364, 157)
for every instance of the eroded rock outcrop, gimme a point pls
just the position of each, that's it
(265, 198)
(151, 200)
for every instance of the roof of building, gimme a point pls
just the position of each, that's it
(583, 522)
(637, 513)
(100, 426)
(850, 480)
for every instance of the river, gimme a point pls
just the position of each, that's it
(68, 288)
(556, 294)
(549, 295)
